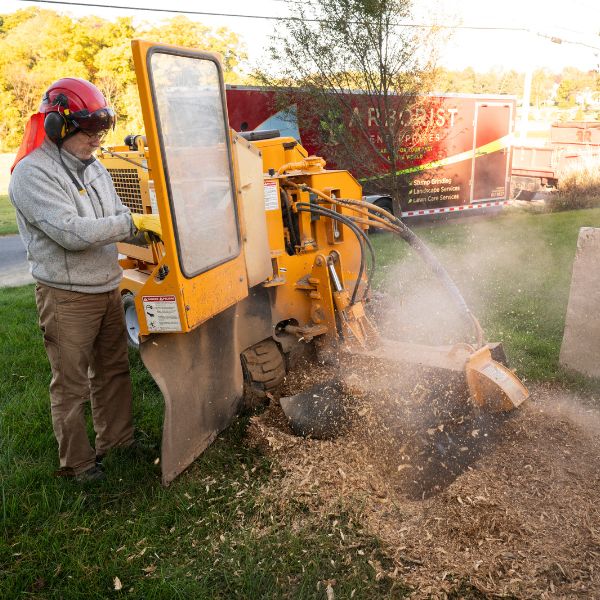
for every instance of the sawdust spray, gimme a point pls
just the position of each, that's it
(426, 418)
(519, 517)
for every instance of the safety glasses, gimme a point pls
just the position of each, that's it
(96, 123)
(99, 135)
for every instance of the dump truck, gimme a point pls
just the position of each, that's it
(454, 151)
(571, 146)
(263, 252)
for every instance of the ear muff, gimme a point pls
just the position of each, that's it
(56, 126)
(55, 123)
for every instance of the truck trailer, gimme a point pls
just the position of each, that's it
(454, 156)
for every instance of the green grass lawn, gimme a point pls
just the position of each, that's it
(211, 534)
(208, 536)
(515, 272)
(8, 224)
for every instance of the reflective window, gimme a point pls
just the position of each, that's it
(194, 135)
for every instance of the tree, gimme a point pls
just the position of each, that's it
(565, 94)
(542, 87)
(468, 81)
(333, 48)
(180, 31)
(38, 47)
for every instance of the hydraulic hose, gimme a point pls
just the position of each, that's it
(434, 264)
(360, 234)
(438, 269)
(288, 211)
(304, 207)
(347, 221)
(395, 225)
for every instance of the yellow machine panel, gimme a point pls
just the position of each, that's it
(252, 207)
(317, 236)
(202, 271)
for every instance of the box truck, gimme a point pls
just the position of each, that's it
(453, 156)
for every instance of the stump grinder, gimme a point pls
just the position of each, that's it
(262, 252)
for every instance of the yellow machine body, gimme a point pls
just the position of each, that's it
(290, 277)
(249, 263)
(203, 179)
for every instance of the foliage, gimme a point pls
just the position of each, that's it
(39, 46)
(334, 48)
(8, 224)
(565, 94)
(469, 81)
(578, 186)
(547, 89)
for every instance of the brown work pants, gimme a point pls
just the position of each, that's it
(84, 336)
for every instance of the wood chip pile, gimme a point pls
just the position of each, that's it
(510, 508)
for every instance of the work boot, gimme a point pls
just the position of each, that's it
(137, 450)
(94, 473)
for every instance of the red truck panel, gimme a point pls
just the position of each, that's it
(456, 156)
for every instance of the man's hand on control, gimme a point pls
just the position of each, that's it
(149, 224)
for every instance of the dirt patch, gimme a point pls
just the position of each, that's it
(504, 507)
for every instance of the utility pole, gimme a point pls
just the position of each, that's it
(527, 88)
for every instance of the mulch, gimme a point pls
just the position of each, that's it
(506, 507)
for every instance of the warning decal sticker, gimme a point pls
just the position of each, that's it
(161, 313)
(271, 200)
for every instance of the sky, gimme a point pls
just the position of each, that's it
(575, 22)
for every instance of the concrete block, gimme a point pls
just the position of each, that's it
(580, 349)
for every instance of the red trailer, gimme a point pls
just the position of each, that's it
(456, 158)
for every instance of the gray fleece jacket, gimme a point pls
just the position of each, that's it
(70, 237)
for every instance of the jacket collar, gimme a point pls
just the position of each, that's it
(72, 162)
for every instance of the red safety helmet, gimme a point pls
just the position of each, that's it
(68, 106)
(73, 105)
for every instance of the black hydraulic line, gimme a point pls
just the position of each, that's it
(293, 237)
(348, 221)
(360, 234)
(312, 208)
(344, 220)
(357, 230)
(433, 263)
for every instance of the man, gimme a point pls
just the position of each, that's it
(69, 218)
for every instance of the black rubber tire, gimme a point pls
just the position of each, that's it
(132, 325)
(386, 204)
(264, 366)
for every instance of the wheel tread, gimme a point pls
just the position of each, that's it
(264, 364)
